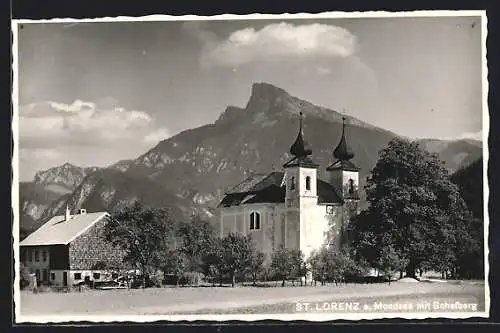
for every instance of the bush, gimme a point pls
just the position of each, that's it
(25, 275)
(156, 279)
(191, 279)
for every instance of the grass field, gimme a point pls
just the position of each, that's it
(257, 300)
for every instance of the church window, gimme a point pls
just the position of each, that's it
(308, 183)
(292, 183)
(254, 221)
(351, 186)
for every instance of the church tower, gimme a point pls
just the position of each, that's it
(344, 176)
(300, 172)
(301, 196)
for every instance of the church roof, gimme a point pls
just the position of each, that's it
(343, 165)
(257, 182)
(342, 152)
(300, 151)
(269, 188)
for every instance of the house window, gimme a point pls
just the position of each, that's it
(45, 275)
(44, 255)
(52, 276)
(77, 276)
(292, 183)
(96, 276)
(28, 255)
(308, 183)
(37, 255)
(254, 221)
(329, 210)
(37, 274)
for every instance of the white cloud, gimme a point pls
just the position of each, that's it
(51, 132)
(156, 136)
(39, 153)
(472, 135)
(278, 41)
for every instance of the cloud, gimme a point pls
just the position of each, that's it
(48, 123)
(156, 136)
(278, 41)
(472, 135)
(81, 132)
(39, 153)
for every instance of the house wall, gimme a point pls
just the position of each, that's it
(37, 259)
(58, 278)
(272, 222)
(317, 228)
(91, 248)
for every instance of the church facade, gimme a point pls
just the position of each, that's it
(295, 208)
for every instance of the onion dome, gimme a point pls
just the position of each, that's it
(300, 147)
(342, 152)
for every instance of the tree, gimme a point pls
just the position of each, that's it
(256, 266)
(389, 261)
(415, 210)
(213, 262)
(286, 263)
(142, 233)
(195, 237)
(237, 254)
(175, 262)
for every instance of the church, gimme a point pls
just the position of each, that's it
(294, 208)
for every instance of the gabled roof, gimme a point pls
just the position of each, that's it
(257, 182)
(57, 231)
(270, 189)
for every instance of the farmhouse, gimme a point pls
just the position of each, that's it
(70, 249)
(294, 208)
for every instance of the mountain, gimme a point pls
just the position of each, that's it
(110, 190)
(194, 168)
(456, 154)
(46, 187)
(470, 181)
(204, 162)
(64, 178)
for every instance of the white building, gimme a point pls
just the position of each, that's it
(70, 249)
(294, 208)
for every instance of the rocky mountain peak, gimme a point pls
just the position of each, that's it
(66, 175)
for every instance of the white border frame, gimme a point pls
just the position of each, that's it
(283, 317)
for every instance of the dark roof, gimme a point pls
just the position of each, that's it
(304, 162)
(343, 165)
(300, 147)
(327, 193)
(271, 194)
(269, 189)
(257, 182)
(342, 151)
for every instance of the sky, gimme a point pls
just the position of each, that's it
(95, 93)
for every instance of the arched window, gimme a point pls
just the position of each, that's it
(292, 183)
(308, 183)
(254, 221)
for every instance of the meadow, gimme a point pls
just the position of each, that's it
(255, 300)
